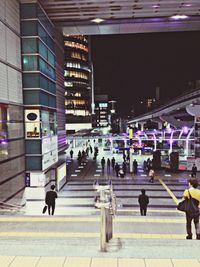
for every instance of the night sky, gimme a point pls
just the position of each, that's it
(129, 67)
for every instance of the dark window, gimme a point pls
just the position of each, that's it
(34, 163)
(31, 97)
(28, 11)
(33, 147)
(31, 80)
(29, 28)
(29, 45)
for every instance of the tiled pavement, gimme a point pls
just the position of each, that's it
(74, 230)
(93, 262)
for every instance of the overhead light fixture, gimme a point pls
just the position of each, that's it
(156, 6)
(97, 20)
(177, 17)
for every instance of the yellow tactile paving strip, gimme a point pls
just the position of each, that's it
(91, 219)
(89, 235)
(6, 261)
(169, 191)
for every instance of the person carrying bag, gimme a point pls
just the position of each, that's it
(190, 205)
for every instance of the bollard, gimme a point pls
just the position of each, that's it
(103, 229)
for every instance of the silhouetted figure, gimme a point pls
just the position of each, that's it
(71, 153)
(91, 150)
(135, 166)
(113, 163)
(143, 201)
(103, 164)
(50, 200)
(194, 170)
(124, 156)
(124, 167)
(108, 165)
(117, 168)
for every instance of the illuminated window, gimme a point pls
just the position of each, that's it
(76, 45)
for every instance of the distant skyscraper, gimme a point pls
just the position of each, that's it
(77, 75)
(101, 111)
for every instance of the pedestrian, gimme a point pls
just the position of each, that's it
(135, 166)
(194, 170)
(117, 168)
(128, 158)
(91, 150)
(143, 200)
(195, 194)
(71, 153)
(103, 164)
(113, 163)
(151, 175)
(124, 156)
(50, 200)
(124, 167)
(108, 165)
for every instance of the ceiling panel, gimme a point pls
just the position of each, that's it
(118, 12)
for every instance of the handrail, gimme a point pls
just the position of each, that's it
(10, 205)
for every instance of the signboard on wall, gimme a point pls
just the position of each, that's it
(32, 123)
(49, 151)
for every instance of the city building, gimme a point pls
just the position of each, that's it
(12, 151)
(101, 118)
(31, 100)
(78, 83)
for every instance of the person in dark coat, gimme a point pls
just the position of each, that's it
(117, 169)
(143, 201)
(71, 153)
(103, 164)
(113, 163)
(194, 170)
(108, 165)
(124, 167)
(135, 166)
(50, 200)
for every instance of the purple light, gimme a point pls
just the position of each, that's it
(139, 132)
(168, 130)
(177, 17)
(3, 142)
(185, 129)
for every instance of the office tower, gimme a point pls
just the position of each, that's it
(77, 83)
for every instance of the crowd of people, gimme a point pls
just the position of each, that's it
(110, 165)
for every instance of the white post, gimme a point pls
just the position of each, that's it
(131, 159)
(103, 229)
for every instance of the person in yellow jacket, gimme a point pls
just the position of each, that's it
(195, 194)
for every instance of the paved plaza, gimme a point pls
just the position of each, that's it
(72, 236)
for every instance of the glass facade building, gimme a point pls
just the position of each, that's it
(39, 88)
(77, 73)
(12, 154)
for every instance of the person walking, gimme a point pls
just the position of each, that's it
(117, 168)
(124, 167)
(143, 200)
(195, 194)
(50, 200)
(113, 163)
(135, 166)
(103, 164)
(151, 175)
(71, 153)
(194, 170)
(108, 165)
